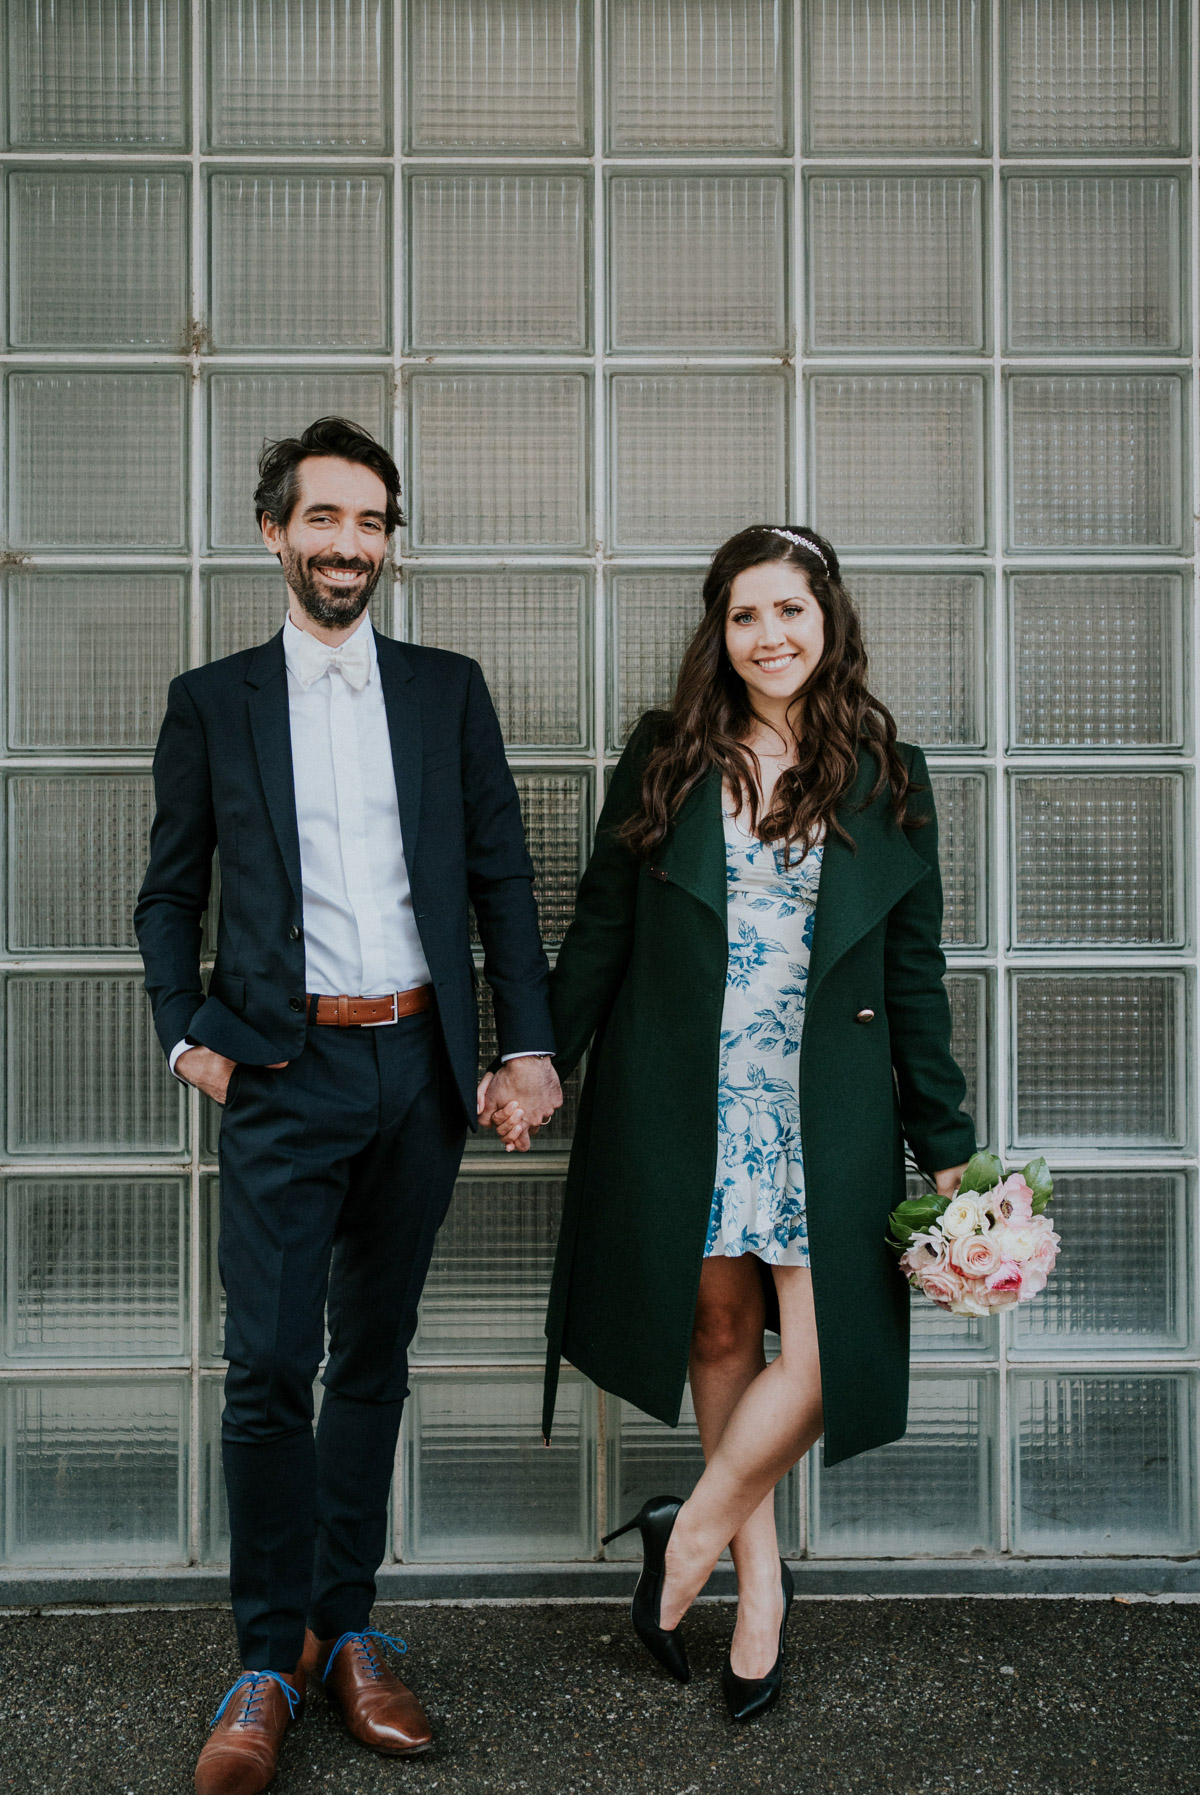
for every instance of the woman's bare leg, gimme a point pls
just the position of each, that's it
(772, 1425)
(726, 1357)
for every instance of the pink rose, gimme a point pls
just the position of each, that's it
(942, 1286)
(1034, 1274)
(975, 1255)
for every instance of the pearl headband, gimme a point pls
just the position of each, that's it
(803, 541)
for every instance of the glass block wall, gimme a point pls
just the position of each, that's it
(615, 278)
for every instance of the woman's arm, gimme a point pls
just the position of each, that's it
(930, 1084)
(597, 947)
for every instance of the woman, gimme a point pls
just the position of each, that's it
(755, 959)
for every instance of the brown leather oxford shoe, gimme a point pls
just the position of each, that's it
(242, 1751)
(379, 1710)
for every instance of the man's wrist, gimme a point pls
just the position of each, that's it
(177, 1052)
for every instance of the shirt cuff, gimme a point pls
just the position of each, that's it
(526, 1053)
(180, 1047)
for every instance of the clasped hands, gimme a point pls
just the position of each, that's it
(518, 1098)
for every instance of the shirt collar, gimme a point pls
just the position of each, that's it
(292, 635)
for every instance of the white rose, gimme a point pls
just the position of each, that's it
(1021, 1243)
(961, 1217)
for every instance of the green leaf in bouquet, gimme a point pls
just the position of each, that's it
(916, 1214)
(984, 1172)
(1037, 1176)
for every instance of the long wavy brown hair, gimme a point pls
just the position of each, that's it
(833, 717)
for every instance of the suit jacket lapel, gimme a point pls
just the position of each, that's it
(858, 888)
(693, 856)
(270, 724)
(404, 727)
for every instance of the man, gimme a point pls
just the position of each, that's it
(358, 796)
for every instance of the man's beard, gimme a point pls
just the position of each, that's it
(332, 610)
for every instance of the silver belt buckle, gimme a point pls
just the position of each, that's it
(388, 1021)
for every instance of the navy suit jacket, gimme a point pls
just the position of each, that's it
(223, 780)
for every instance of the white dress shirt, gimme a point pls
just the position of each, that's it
(360, 933)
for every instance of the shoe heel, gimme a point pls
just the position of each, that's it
(618, 1531)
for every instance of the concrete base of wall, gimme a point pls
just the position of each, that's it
(581, 1582)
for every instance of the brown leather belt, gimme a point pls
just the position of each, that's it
(369, 1012)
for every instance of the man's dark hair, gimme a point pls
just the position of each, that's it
(278, 487)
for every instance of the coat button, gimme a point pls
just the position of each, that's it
(865, 1016)
(295, 1003)
(656, 872)
(295, 932)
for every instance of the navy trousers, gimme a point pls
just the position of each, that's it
(336, 1173)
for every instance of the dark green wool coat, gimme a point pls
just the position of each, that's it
(641, 976)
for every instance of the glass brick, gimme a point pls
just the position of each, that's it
(212, 1292)
(95, 1472)
(1086, 76)
(1098, 859)
(895, 261)
(1103, 1464)
(96, 1269)
(968, 996)
(1098, 1300)
(99, 259)
(932, 1493)
(961, 801)
(499, 261)
(245, 609)
(696, 456)
(299, 74)
(1097, 660)
(697, 75)
(77, 853)
(1094, 262)
(1099, 1059)
(485, 1297)
(697, 262)
(555, 1137)
(1096, 461)
(894, 75)
(63, 495)
(275, 240)
(90, 656)
(480, 1486)
(85, 1071)
(898, 460)
(87, 73)
(498, 74)
(499, 459)
(214, 1504)
(644, 1458)
(248, 410)
(530, 632)
(652, 618)
(925, 634)
(554, 808)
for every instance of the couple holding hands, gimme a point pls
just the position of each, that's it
(753, 968)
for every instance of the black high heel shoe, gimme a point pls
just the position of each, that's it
(747, 1696)
(654, 1521)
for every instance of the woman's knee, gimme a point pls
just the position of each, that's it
(728, 1323)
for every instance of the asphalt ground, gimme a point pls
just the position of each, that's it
(559, 1699)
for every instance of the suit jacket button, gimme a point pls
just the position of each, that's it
(865, 1016)
(295, 932)
(295, 1003)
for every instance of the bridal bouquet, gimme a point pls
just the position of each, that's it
(987, 1248)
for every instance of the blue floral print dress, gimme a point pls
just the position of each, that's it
(758, 1203)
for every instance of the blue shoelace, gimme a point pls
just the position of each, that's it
(252, 1680)
(360, 1640)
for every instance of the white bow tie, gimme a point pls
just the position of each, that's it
(351, 658)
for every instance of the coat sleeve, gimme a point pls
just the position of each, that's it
(597, 947)
(500, 882)
(175, 892)
(930, 1085)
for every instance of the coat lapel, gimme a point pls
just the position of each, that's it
(271, 727)
(859, 886)
(404, 727)
(693, 856)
